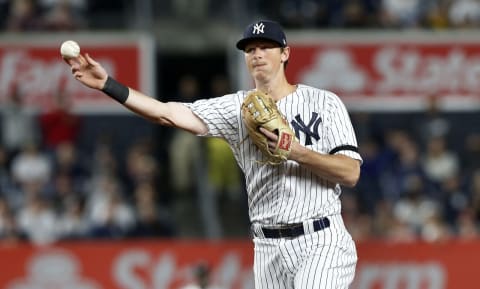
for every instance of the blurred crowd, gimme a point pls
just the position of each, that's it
(54, 15)
(53, 188)
(50, 189)
(420, 178)
(43, 15)
(429, 14)
(419, 181)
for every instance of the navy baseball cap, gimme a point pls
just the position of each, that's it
(263, 29)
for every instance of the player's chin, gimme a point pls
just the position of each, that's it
(260, 75)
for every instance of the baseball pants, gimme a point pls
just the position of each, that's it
(324, 259)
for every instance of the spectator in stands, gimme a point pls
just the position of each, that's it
(61, 187)
(23, 16)
(72, 221)
(358, 223)
(401, 232)
(59, 124)
(103, 161)
(194, 11)
(434, 229)
(306, 13)
(111, 216)
(141, 165)
(464, 13)
(433, 123)
(37, 219)
(474, 189)
(152, 219)
(63, 15)
(400, 13)
(383, 220)
(68, 161)
(454, 199)
(8, 229)
(224, 177)
(467, 226)
(19, 125)
(415, 208)
(403, 159)
(438, 162)
(31, 165)
(374, 164)
(185, 151)
(226, 188)
(184, 147)
(435, 14)
(355, 15)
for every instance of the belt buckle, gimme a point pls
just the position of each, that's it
(289, 231)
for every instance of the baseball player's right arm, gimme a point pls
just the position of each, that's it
(92, 74)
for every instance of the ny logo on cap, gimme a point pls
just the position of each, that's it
(258, 28)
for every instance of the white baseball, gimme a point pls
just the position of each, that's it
(70, 49)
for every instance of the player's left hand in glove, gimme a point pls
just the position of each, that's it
(260, 110)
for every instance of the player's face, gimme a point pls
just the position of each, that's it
(263, 58)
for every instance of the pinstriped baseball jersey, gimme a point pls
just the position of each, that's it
(287, 193)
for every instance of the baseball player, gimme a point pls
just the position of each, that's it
(294, 207)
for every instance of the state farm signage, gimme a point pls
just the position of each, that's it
(401, 275)
(399, 69)
(168, 264)
(35, 66)
(388, 71)
(126, 265)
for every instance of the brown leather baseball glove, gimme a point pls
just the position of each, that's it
(260, 110)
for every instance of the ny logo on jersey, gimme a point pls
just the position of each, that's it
(310, 130)
(258, 28)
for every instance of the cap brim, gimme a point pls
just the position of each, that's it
(242, 43)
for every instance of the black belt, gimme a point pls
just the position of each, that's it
(294, 230)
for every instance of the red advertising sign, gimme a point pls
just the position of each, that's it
(124, 265)
(169, 265)
(448, 265)
(35, 67)
(388, 71)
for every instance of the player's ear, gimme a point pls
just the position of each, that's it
(285, 54)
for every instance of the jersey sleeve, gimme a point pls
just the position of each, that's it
(340, 134)
(220, 114)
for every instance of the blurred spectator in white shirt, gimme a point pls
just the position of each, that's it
(438, 162)
(37, 220)
(414, 208)
(465, 13)
(18, 123)
(400, 13)
(109, 214)
(31, 165)
(73, 222)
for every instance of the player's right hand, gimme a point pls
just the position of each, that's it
(87, 71)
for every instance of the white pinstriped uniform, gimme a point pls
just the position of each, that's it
(289, 193)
